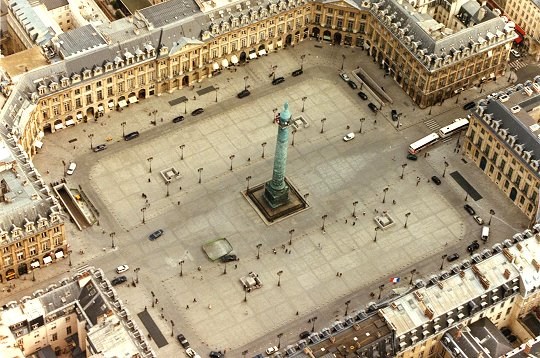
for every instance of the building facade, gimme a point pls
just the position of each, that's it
(526, 13)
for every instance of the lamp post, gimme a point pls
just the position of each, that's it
(291, 232)
(293, 133)
(263, 144)
(323, 220)
(274, 68)
(406, 218)
(136, 270)
(312, 321)
(185, 106)
(381, 288)
(245, 82)
(322, 125)
(361, 122)
(167, 183)
(302, 62)
(200, 174)
(376, 230)
(216, 89)
(303, 103)
(149, 159)
(354, 208)
(445, 166)
(413, 271)
(248, 178)
(384, 194)
(91, 136)
(403, 166)
(33, 275)
(181, 263)
(245, 295)
(342, 62)
(112, 235)
(466, 196)
(279, 340)
(225, 268)
(123, 124)
(182, 146)
(172, 328)
(64, 164)
(231, 157)
(258, 251)
(491, 213)
(143, 210)
(69, 257)
(442, 262)
(347, 307)
(279, 273)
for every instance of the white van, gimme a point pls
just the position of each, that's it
(71, 168)
(485, 233)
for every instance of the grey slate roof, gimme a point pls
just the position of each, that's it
(54, 4)
(170, 12)
(36, 29)
(78, 40)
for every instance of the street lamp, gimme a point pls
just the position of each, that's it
(185, 106)
(322, 125)
(274, 68)
(491, 213)
(445, 166)
(302, 62)
(167, 183)
(291, 232)
(312, 320)
(413, 271)
(279, 273)
(245, 82)
(466, 196)
(381, 288)
(361, 122)
(258, 251)
(442, 262)
(403, 166)
(347, 307)
(216, 89)
(279, 340)
(293, 133)
(303, 103)
(248, 178)
(231, 157)
(323, 220)
(112, 235)
(263, 144)
(225, 267)
(406, 218)
(123, 124)
(91, 136)
(200, 174)
(149, 159)
(342, 62)
(384, 194)
(64, 164)
(172, 328)
(69, 257)
(181, 263)
(182, 146)
(376, 230)
(245, 295)
(136, 270)
(143, 211)
(354, 208)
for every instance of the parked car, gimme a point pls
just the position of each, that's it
(183, 341)
(348, 137)
(362, 95)
(197, 112)
(473, 246)
(71, 168)
(243, 93)
(131, 135)
(214, 354)
(395, 115)
(271, 350)
(452, 257)
(192, 354)
(122, 268)
(412, 156)
(478, 219)
(469, 209)
(228, 258)
(344, 76)
(305, 334)
(297, 72)
(278, 80)
(156, 234)
(99, 148)
(352, 84)
(469, 105)
(515, 53)
(178, 119)
(373, 107)
(436, 180)
(118, 280)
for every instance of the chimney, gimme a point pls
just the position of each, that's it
(481, 13)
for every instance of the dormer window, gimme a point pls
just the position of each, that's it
(53, 86)
(86, 74)
(65, 82)
(98, 70)
(41, 89)
(76, 78)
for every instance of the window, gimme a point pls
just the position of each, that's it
(88, 88)
(68, 330)
(54, 337)
(77, 91)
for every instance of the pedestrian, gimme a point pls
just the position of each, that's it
(274, 251)
(374, 121)
(145, 308)
(297, 313)
(345, 221)
(178, 202)
(48, 171)
(235, 267)
(209, 307)
(354, 223)
(187, 307)
(249, 159)
(149, 180)
(364, 213)
(348, 126)
(180, 188)
(320, 247)
(290, 251)
(194, 300)
(161, 309)
(394, 202)
(425, 154)
(337, 274)
(283, 246)
(201, 278)
(199, 268)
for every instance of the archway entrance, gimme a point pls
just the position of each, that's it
(513, 194)
(89, 113)
(23, 269)
(185, 81)
(327, 36)
(243, 57)
(306, 33)
(288, 40)
(315, 32)
(10, 275)
(142, 94)
(337, 38)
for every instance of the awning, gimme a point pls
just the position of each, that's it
(122, 103)
(252, 56)
(59, 254)
(262, 52)
(47, 260)
(133, 99)
(224, 63)
(111, 104)
(215, 66)
(70, 122)
(100, 108)
(79, 115)
(34, 264)
(38, 144)
(234, 59)
(58, 126)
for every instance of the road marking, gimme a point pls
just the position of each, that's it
(432, 124)
(516, 65)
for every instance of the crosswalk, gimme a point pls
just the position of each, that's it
(516, 65)
(432, 124)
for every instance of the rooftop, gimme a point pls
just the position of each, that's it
(54, 4)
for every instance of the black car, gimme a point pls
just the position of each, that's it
(412, 156)
(373, 107)
(278, 80)
(452, 257)
(352, 84)
(473, 246)
(469, 209)
(131, 135)
(229, 258)
(305, 334)
(214, 354)
(118, 280)
(362, 95)
(469, 105)
(243, 94)
(436, 180)
(100, 147)
(156, 234)
(197, 111)
(395, 115)
(297, 72)
(183, 341)
(178, 119)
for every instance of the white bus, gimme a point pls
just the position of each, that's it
(423, 143)
(458, 125)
